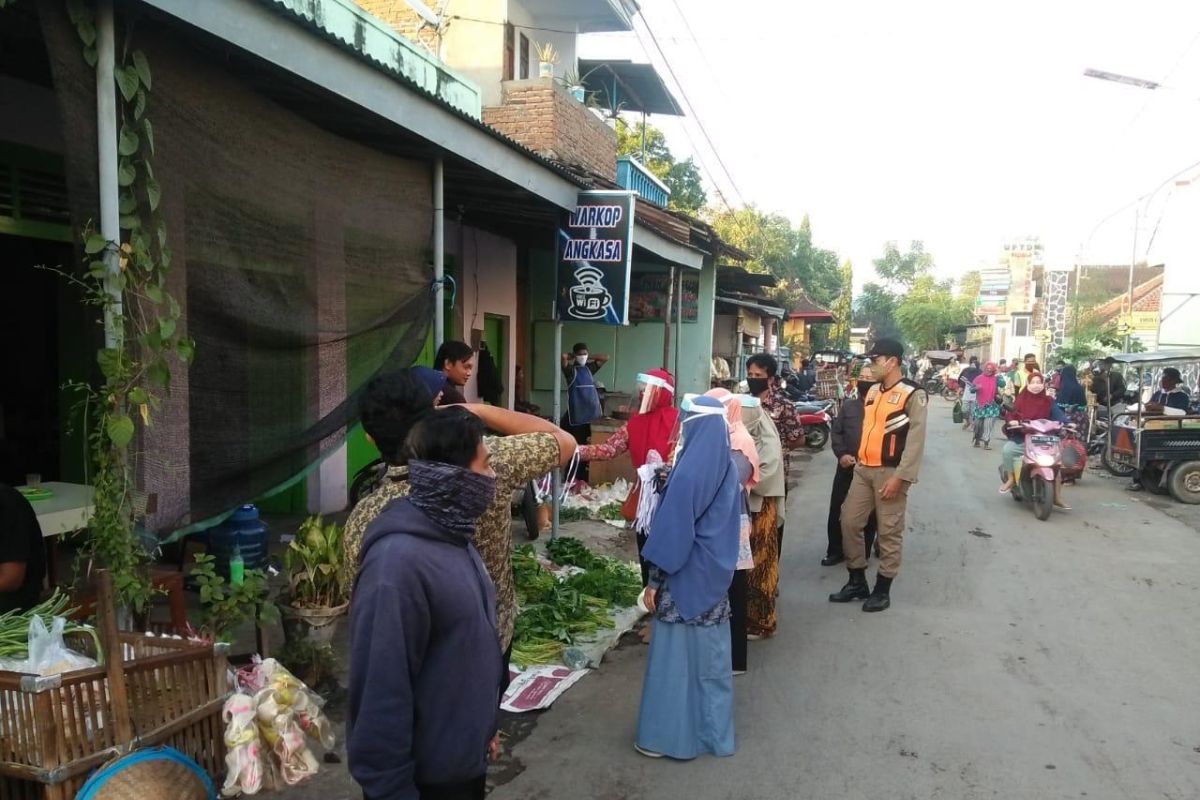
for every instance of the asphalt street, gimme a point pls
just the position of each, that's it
(1020, 659)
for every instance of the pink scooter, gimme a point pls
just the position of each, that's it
(1040, 466)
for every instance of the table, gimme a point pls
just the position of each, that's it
(69, 509)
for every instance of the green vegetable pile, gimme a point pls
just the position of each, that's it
(611, 511)
(14, 626)
(573, 514)
(554, 613)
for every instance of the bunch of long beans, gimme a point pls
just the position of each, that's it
(14, 625)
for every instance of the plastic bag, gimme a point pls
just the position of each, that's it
(958, 412)
(48, 653)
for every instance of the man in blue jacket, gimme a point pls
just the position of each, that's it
(425, 662)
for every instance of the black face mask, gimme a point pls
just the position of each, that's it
(757, 386)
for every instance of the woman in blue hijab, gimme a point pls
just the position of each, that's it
(692, 549)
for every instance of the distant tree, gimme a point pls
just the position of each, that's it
(768, 238)
(875, 308)
(681, 177)
(839, 334)
(687, 187)
(902, 269)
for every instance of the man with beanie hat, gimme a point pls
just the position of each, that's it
(889, 458)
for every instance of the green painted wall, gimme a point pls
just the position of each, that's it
(632, 349)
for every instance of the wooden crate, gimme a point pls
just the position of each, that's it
(54, 731)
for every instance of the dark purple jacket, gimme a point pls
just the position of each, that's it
(425, 660)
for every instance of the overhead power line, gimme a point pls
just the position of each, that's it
(695, 116)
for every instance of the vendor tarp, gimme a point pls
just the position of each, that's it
(299, 258)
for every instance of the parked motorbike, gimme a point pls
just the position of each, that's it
(947, 390)
(816, 429)
(1041, 464)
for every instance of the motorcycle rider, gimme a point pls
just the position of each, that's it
(889, 459)
(1033, 403)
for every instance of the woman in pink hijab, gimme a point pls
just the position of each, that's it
(745, 455)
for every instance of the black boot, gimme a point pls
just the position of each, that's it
(880, 599)
(832, 558)
(855, 589)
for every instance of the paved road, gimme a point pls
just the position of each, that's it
(1019, 660)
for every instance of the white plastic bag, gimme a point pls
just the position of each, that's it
(48, 653)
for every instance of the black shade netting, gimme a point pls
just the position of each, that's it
(299, 258)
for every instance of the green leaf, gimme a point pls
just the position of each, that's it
(98, 269)
(159, 374)
(137, 396)
(131, 221)
(149, 168)
(154, 294)
(91, 56)
(139, 105)
(186, 349)
(78, 11)
(152, 340)
(120, 430)
(143, 68)
(109, 359)
(128, 141)
(117, 282)
(166, 328)
(126, 173)
(154, 193)
(149, 130)
(127, 82)
(173, 305)
(164, 257)
(94, 244)
(87, 32)
(162, 233)
(127, 203)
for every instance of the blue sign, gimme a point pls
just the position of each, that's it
(595, 256)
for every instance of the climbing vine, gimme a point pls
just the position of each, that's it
(141, 319)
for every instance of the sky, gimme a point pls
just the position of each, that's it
(958, 124)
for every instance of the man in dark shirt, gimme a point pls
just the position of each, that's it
(22, 553)
(1107, 385)
(845, 435)
(457, 360)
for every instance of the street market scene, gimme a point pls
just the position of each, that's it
(449, 399)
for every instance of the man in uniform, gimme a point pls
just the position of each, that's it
(889, 458)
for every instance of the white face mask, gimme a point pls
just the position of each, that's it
(581, 359)
(1037, 388)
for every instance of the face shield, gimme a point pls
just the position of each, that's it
(654, 393)
(689, 411)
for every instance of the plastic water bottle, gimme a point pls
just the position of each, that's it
(237, 567)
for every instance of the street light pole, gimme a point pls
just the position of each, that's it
(1137, 219)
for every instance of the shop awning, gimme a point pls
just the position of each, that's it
(626, 86)
(764, 310)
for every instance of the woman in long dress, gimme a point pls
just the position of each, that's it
(766, 514)
(692, 549)
(745, 459)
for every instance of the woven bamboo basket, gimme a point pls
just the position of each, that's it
(151, 690)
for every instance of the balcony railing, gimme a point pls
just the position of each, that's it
(633, 176)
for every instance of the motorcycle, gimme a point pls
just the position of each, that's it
(1041, 465)
(947, 390)
(816, 428)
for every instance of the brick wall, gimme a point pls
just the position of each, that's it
(399, 16)
(542, 116)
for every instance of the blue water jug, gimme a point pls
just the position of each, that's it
(243, 533)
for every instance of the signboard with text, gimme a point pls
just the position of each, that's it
(594, 259)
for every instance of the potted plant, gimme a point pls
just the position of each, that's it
(317, 594)
(547, 58)
(227, 604)
(574, 85)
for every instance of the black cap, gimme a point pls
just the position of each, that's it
(886, 347)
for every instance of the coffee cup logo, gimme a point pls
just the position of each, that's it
(589, 298)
